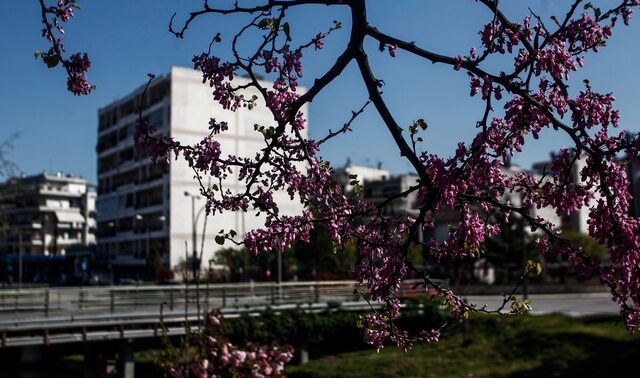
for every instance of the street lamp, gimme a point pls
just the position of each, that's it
(20, 253)
(194, 222)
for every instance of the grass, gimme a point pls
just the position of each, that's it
(527, 346)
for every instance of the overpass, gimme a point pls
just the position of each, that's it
(59, 315)
(97, 320)
(33, 319)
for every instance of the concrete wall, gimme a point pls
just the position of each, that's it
(192, 108)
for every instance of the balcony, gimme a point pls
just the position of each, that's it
(68, 242)
(34, 225)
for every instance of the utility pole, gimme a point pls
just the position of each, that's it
(20, 252)
(525, 288)
(279, 276)
(194, 222)
(194, 242)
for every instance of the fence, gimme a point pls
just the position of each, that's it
(87, 300)
(61, 315)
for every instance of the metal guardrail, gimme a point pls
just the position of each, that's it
(99, 328)
(80, 300)
(61, 315)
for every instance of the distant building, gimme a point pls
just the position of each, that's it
(142, 206)
(46, 214)
(576, 221)
(380, 190)
(364, 174)
(448, 217)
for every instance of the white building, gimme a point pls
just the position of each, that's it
(362, 173)
(381, 189)
(578, 220)
(143, 206)
(46, 214)
(378, 191)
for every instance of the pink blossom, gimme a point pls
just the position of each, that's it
(392, 50)
(458, 63)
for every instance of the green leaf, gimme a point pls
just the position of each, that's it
(37, 53)
(358, 190)
(265, 23)
(287, 30)
(51, 60)
(597, 12)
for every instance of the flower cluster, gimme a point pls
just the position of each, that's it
(586, 33)
(217, 357)
(599, 181)
(494, 36)
(218, 76)
(593, 109)
(467, 238)
(77, 64)
(378, 330)
(555, 60)
(205, 157)
(77, 83)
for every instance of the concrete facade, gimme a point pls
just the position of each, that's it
(577, 221)
(381, 189)
(364, 175)
(144, 206)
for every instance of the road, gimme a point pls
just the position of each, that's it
(571, 304)
(48, 303)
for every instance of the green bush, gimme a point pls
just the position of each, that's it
(327, 332)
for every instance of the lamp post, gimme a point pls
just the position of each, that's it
(525, 288)
(519, 228)
(194, 222)
(20, 252)
(111, 255)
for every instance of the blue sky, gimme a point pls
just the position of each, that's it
(128, 39)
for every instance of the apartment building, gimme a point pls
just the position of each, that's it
(46, 214)
(145, 207)
(379, 190)
(343, 175)
(578, 220)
